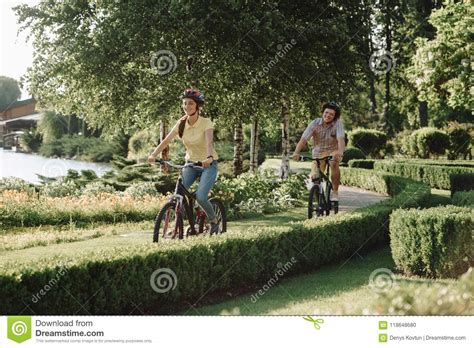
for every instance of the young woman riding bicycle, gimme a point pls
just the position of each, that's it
(197, 135)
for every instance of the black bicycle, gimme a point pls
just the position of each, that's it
(170, 221)
(319, 201)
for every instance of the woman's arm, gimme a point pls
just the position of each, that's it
(209, 135)
(159, 149)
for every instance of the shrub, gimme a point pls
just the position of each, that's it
(427, 140)
(113, 276)
(460, 140)
(370, 141)
(436, 176)
(352, 153)
(407, 298)
(435, 242)
(14, 184)
(96, 188)
(140, 189)
(366, 164)
(80, 147)
(59, 188)
(461, 181)
(463, 198)
(31, 140)
(23, 209)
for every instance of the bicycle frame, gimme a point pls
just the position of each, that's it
(185, 199)
(323, 179)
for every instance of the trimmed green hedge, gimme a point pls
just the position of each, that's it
(113, 281)
(463, 198)
(461, 182)
(434, 242)
(362, 163)
(406, 298)
(432, 162)
(435, 176)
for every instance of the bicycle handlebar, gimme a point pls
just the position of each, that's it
(178, 166)
(329, 158)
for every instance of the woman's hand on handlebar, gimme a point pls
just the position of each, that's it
(152, 159)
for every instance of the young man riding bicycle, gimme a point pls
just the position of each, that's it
(328, 140)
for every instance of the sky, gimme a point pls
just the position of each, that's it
(16, 55)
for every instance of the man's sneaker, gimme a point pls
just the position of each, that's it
(335, 196)
(214, 228)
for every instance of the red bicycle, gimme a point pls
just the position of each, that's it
(170, 221)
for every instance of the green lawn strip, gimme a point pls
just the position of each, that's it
(341, 288)
(52, 241)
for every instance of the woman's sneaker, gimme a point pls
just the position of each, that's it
(335, 196)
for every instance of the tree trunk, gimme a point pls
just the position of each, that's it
(388, 41)
(423, 113)
(373, 101)
(165, 153)
(285, 139)
(238, 149)
(254, 145)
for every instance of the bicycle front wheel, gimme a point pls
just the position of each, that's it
(313, 201)
(205, 224)
(168, 224)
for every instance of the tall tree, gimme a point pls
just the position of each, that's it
(9, 92)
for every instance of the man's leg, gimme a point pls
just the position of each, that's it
(335, 178)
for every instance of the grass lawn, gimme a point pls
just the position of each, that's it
(341, 288)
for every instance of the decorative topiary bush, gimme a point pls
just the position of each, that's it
(429, 141)
(352, 153)
(435, 242)
(370, 141)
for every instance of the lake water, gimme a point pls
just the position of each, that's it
(26, 166)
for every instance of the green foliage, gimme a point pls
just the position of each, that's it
(429, 141)
(437, 176)
(83, 148)
(141, 189)
(142, 143)
(31, 140)
(463, 198)
(370, 141)
(352, 153)
(362, 163)
(59, 188)
(435, 242)
(15, 184)
(413, 298)
(460, 140)
(96, 188)
(442, 66)
(462, 181)
(9, 92)
(324, 241)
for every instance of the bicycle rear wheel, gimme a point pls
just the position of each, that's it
(168, 224)
(313, 202)
(205, 224)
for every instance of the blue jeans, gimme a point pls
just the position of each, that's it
(208, 179)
